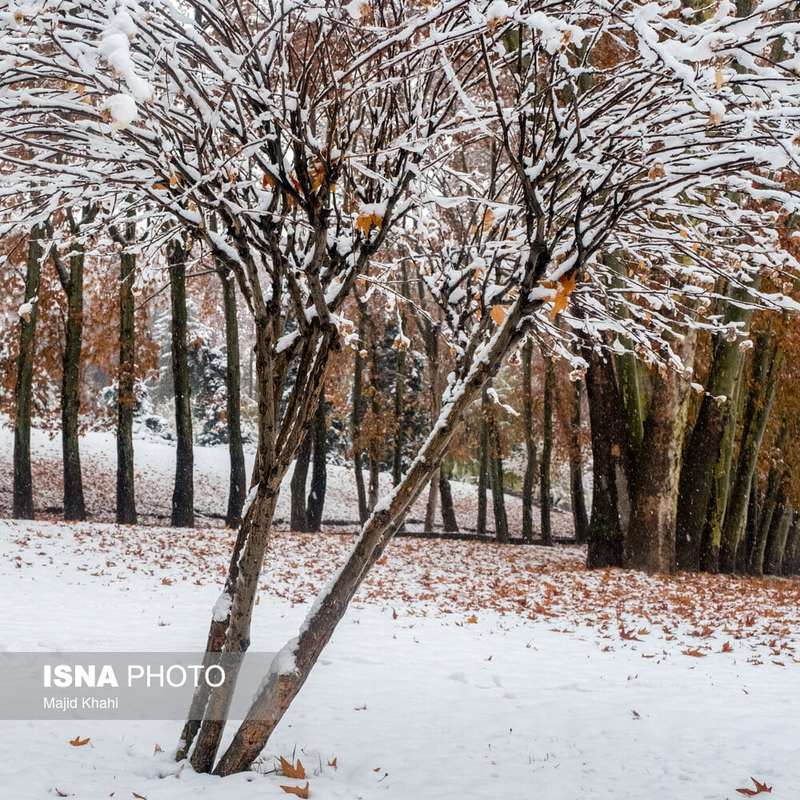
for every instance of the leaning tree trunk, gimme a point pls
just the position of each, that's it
(183, 494)
(650, 544)
(237, 484)
(580, 518)
(545, 492)
(126, 401)
(23, 388)
(319, 468)
(767, 358)
(71, 278)
(283, 682)
(530, 443)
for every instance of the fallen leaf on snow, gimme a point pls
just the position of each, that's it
(290, 770)
(300, 791)
(78, 742)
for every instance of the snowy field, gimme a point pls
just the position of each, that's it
(463, 670)
(155, 471)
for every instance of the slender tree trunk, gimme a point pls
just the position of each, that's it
(650, 544)
(449, 519)
(774, 501)
(23, 388)
(531, 466)
(432, 347)
(580, 518)
(126, 401)
(374, 449)
(74, 505)
(319, 472)
(545, 492)
(297, 486)
(496, 479)
(183, 495)
(237, 485)
(767, 357)
(483, 465)
(356, 416)
(399, 414)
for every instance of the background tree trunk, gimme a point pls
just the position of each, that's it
(297, 486)
(23, 389)
(356, 416)
(767, 357)
(319, 471)
(183, 495)
(237, 485)
(580, 518)
(776, 545)
(71, 278)
(126, 401)
(449, 520)
(530, 443)
(483, 465)
(545, 492)
(496, 478)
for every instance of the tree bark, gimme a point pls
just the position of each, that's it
(483, 466)
(237, 484)
(767, 358)
(779, 535)
(580, 517)
(449, 520)
(297, 486)
(126, 401)
(650, 544)
(791, 559)
(23, 388)
(71, 279)
(356, 417)
(319, 471)
(183, 494)
(531, 467)
(496, 479)
(605, 526)
(706, 447)
(545, 493)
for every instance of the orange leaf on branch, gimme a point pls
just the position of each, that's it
(566, 285)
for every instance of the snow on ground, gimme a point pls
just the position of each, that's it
(463, 671)
(155, 471)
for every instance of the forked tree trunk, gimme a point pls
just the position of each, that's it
(71, 278)
(580, 518)
(319, 468)
(237, 483)
(545, 491)
(23, 388)
(650, 544)
(126, 401)
(183, 494)
(294, 662)
(530, 443)
(229, 630)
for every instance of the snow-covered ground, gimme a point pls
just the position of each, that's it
(155, 471)
(463, 670)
